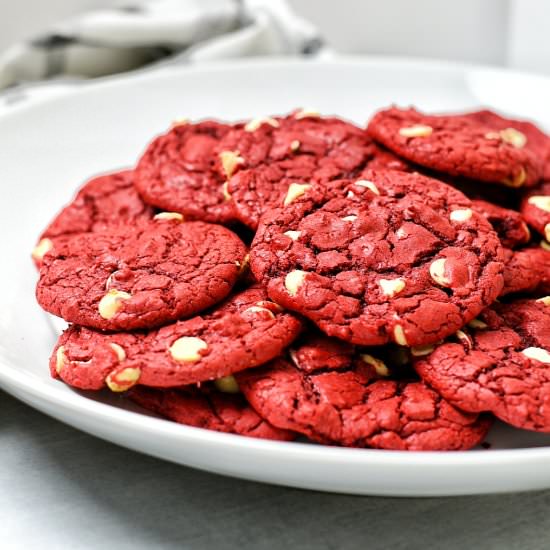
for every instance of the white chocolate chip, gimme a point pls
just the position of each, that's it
(538, 354)
(187, 348)
(294, 235)
(419, 130)
(379, 366)
(351, 218)
(272, 306)
(545, 300)
(437, 272)
(518, 180)
(540, 201)
(230, 161)
(294, 145)
(182, 121)
(401, 233)
(225, 191)
(545, 245)
(294, 280)
(60, 359)
(307, 113)
(420, 351)
(243, 266)
(227, 384)
(112, 302)
(465, 338)
(461, 215)
(547, 232)
(293, 357)
(477, 324)
(391, 287)
(169, 216)
(295, 190)
(258, 309)
(119, 350)
(399, 335)
(350, 195)
(527, 231)
(369, 185)
(42, 248)
(123, 380)
(255, 123)
(513, 137)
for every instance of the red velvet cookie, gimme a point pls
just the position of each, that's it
(245, 331)
(140, 276)
(176, 173)
(535, 208)
(346, 401)
(526, 270)
(509, 224)
(459, 145)
(262, 160)
(394, 257)
(102, 202)
(500, 366)
(516, 132)
(212, 410)
(336, 145)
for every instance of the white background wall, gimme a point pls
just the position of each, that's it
(513, 32)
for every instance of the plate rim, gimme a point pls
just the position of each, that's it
(83, 87)
(30, 385)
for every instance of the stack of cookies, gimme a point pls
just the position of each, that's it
(299, 276)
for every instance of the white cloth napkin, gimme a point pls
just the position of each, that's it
(152, 32)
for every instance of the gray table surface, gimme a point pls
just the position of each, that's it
(61, 488)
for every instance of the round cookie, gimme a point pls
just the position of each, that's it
(212, 410)
(262, 161)
(141, 275)
(516, 132)
(336, 145)
(176, 173)
(352, 405)
(459, 145)
(509, 224)
(393, 257)
(500, 366)
(101, 202)
(535, 208)
(526, 270)
(245, 331)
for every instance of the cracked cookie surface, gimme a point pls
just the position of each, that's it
(526, 270)
(501, 367)
(103, 201)
(140, 276)
(470, 145)
(343, 400)
(212, 410)
(284, 150)
(393, 257)
(176, 173)
(243, 332)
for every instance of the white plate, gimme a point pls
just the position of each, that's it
(47, 149)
